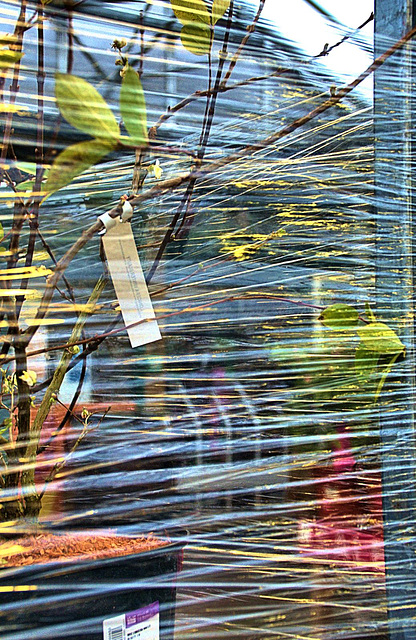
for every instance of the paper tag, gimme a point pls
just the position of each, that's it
(130, 284)
(142, 624)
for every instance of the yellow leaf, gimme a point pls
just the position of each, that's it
(83, 107)
(219, 7)
(75, 159)
(156, 170)
(29, 377)
(191, 11)
(196, 38)
(133, 107)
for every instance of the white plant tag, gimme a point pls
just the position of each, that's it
(142, 624)
(130, 284)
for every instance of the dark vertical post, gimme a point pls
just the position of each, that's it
(393, 106)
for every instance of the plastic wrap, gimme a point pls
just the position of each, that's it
(269, 432)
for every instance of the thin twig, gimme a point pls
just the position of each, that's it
(99, 338)
(203, 143)
(69, 409)
(32, 499)
(142, 53)
(81, 357)
(39, 152)
(222, 89)
(327, 50)
(244, 41)
(61, 463)
(69, 288)
(19, 32)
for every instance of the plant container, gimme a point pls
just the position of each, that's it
(128, 597)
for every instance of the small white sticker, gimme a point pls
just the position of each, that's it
(130, 284)
(142, 624)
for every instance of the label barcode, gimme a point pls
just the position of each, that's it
(115, 633)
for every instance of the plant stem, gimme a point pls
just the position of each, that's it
(244, 41)
(19, 32)
(34, 214)
(142, 50)
(13, 508)
(384, 375)
(71, 406)
(327, 50)
(206, 130)
(30, 494)
(212, 103)
(59, 465)
(171, 228)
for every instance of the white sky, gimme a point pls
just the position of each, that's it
(305, 26)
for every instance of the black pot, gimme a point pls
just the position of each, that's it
(70, 601)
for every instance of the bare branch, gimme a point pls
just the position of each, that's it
(244, 41)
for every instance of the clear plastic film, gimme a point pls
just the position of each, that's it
(266, 434)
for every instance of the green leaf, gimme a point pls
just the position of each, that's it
(339, 316)
(5, 426)
(8, 58)
(191, 11)
(75, 159)
(25, 186)
(27, 167)
(29, 184)
(133, 107)
(83, 107)
(219, 7)
(196, 38)
(378, 337)
(365, 361)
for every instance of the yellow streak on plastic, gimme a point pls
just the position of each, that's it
(26, 271)
(22, 587)
(8, 549)
(17, 292)
(43, 323)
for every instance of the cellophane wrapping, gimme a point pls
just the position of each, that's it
(269, 432)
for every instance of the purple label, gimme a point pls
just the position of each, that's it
(135, 617)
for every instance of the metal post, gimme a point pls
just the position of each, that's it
(393, 103)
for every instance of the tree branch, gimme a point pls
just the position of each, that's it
(244, 41)
(31, 497)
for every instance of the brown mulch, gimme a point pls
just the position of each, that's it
(73, 546)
